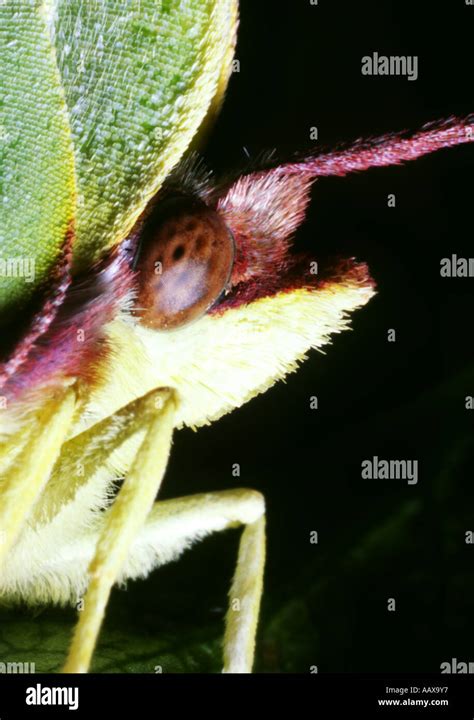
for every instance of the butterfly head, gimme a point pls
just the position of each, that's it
(222, 305)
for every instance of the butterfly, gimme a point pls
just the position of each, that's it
(166, 296)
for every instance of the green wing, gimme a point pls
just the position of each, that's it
(101, 99)
(37, 194)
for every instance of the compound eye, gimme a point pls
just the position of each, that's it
(184, 263)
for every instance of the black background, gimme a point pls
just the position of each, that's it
(326, 604)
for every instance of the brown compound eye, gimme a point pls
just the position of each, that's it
(184, 263)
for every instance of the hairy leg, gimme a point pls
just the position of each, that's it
(123, 521)
(174, 524)
(112, 552)
(28, 475)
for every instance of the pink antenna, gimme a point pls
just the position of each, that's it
(390, 149)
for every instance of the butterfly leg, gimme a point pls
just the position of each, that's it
(173, 525)
(123, 521)
(25, 480)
